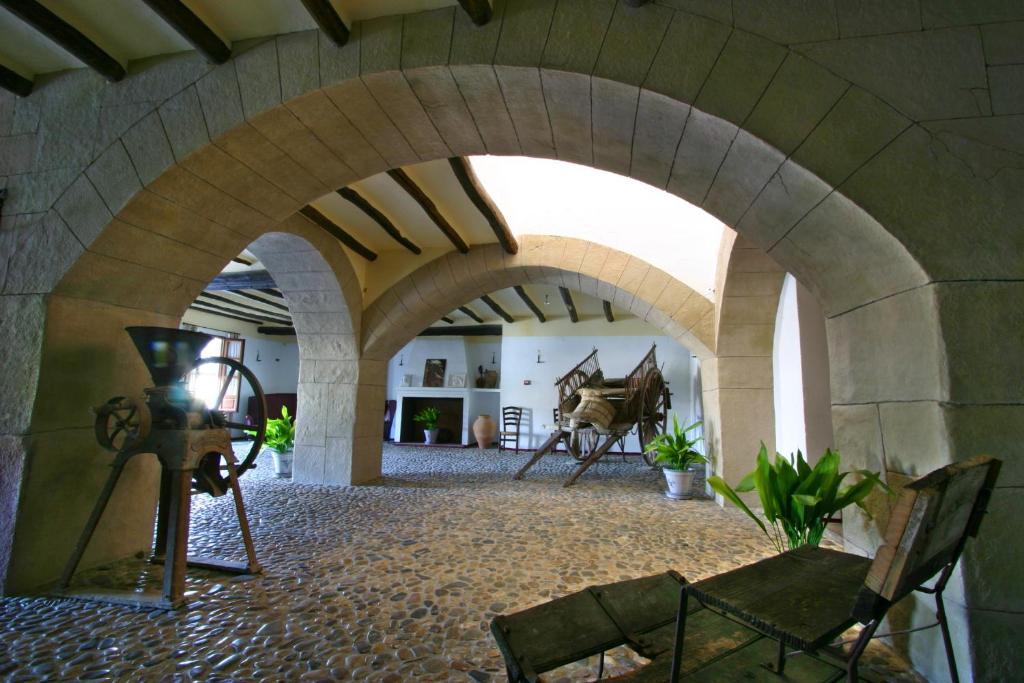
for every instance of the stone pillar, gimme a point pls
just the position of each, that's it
(328, 358)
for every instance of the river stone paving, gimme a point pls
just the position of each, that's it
(391, 582)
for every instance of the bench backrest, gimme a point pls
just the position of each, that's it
(928, 527)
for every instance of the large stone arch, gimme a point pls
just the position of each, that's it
(901, 175)
(86, 317)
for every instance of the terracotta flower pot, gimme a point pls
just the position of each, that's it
(484, 430)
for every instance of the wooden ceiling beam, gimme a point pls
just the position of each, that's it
(209, 310)
(193, 29)
(335, 230)
(569, 305)
(14, 82)
(272, 290)
(529, 303)
(250, 295)
(407, 184)
(496, 307)
(252, 279)
(472, 314)
(329, 21)
(263, 317)
(278, 331)
(238, 304)
(608, 311)
(377, 217)
(479, 11)
(67, 36)
(474, 189)
(447, 320)
(463, 330)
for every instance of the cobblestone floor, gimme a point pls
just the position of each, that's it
(392, 582)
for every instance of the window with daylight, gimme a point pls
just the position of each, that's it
(207, 380)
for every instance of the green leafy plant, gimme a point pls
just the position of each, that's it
(280, 435)
(428, 417)
(675, 450)
(798, 501)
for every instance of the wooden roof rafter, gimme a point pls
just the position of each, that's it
(608, 315)
(338, 233)
(474, 189)
(36, 15)
(529, 303)
(328, 19)
(569, 304)
(14, 82)
(428, 206)
(379, 218)
(498, 310)
(193, 29)
(471, 313)
(479, 11)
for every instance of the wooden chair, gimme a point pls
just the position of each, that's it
(511, 418)
(730, 626)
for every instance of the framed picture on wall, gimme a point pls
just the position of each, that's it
(433, 372)
(457, 380)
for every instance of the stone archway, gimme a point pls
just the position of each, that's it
(86, 317)
(703, 110)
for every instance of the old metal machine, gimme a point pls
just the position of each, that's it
(193, 445)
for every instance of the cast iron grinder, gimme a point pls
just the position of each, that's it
(193, 445)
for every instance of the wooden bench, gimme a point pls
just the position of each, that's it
(738, 625)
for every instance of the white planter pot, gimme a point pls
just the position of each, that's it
(430, 435)
(283, 464)
(679, 483)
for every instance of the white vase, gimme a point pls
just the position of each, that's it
(283, 464)
(430, 435)
(679, 483)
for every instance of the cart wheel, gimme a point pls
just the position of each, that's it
(259, 425)
(654, 405)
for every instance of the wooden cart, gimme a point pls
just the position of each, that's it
(638, 403)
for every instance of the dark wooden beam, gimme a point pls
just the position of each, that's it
(253, 279)
(478, 10)
(239, 304)
(335, 230)
(328, 20)
(474, 189)
(272, 291)
(569, 305)
(463, 330)
(380, 219)
(192, 28)
(277, 331)
(3, 197)
(272, 304)
(447, 320)
(243, 261)
(529, 303)
(407, 184)
(67, 36)
(14, 82)
(469, 311)
(203, 309)
(608, 311)
(262, 317)
(494, 306)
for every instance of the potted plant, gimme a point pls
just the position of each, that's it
(428, 417)
(280, 439)
(798, 501)
(676, 453)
